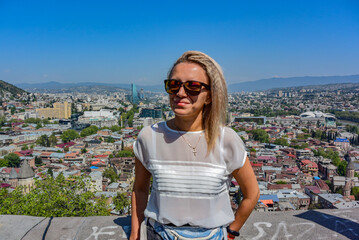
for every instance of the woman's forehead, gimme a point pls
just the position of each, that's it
(189, 71)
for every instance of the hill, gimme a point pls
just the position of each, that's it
(7, 89)
(266, 84)
(259, 85)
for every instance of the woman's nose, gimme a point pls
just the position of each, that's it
(181, 91)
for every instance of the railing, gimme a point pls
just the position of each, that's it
(318, 224)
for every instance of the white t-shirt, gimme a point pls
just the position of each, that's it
(189, 189)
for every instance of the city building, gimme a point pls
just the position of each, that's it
(59, 111)
(134, 98)
(151, 112)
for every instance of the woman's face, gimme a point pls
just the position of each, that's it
(182, 104)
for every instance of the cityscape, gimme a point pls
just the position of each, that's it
(80, 80)
(59, 148)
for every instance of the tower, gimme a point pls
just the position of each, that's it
(134, 94)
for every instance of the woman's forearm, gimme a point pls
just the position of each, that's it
(139, 203)
(244, 210)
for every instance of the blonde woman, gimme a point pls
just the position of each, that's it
(191, 159)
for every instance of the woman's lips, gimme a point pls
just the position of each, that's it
(181, 103)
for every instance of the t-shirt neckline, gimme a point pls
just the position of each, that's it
(178, 131)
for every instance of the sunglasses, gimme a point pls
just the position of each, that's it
(192, 88)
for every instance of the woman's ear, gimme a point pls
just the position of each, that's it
(208, 100)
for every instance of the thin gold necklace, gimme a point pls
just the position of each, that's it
(194, 151)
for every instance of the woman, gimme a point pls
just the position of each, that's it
(191, 159)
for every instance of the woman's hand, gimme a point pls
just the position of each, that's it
(139, 198)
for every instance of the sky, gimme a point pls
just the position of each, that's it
(138, 41)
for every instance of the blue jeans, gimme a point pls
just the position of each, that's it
(158, 231)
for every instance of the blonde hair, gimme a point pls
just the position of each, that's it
(214, 113)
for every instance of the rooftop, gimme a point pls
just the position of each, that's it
(319, 224)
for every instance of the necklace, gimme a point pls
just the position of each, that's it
(194, 151)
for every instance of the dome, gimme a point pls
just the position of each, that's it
(26, 171)
(13, 174)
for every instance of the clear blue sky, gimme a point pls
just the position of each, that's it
(137, 41)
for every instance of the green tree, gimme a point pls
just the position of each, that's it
(54, 197)
(69, 135)
(4, 163)
(38, 126)
(33, 120)
(281, 141)
(89, 131)
(111, 174)
(24, 147)
(342, 168)
(122, 203)
(260, 135)
(83, 150)
(125, 153)
(53, 140)
(355, 192)
(43, 140)
(38, 161)
(13, 160)
(50, 172)
(110, 139)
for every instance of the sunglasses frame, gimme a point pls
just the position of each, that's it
(188, 91)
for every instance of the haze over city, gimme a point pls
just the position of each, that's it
(122, 42)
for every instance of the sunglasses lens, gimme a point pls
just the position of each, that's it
(172, 86)
(193, 86)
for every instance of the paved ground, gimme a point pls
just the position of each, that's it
(323, 224)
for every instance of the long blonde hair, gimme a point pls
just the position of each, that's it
(214, 113)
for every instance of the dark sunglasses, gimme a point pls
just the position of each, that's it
(192, 88)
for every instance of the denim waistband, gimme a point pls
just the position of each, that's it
(172, 232)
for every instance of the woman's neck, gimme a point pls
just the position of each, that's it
(188, 125)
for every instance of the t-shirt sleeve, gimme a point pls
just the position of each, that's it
(234, 150)
(140, 147)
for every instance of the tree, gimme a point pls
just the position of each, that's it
(355, 192)
(111, 174)
(4, 163)
(53, 140)
(281, 141)
(69, 135)
(13, 160)
(342, 168)
(260, 135)
(43, 140)
(110, 139)
(50, 172)
(24, 147)
(38, 161)
(89, 131)
(122, 203)
(83, 150)
(55, 197)
(124, 153)
(38, 126)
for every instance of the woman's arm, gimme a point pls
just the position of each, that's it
(249, 187)
(139, 198)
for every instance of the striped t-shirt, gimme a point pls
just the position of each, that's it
(189, 188)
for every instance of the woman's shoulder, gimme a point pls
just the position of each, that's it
(149, 130)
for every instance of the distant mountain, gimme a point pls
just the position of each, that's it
(85, 86)
(265, 84)
(9, 89)
(259, 85)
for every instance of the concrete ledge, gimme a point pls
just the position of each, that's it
(320, 224)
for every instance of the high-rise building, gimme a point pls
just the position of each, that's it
(134, 94)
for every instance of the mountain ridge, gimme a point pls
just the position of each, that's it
(248, 86)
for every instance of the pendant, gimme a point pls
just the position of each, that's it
(194, 151)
